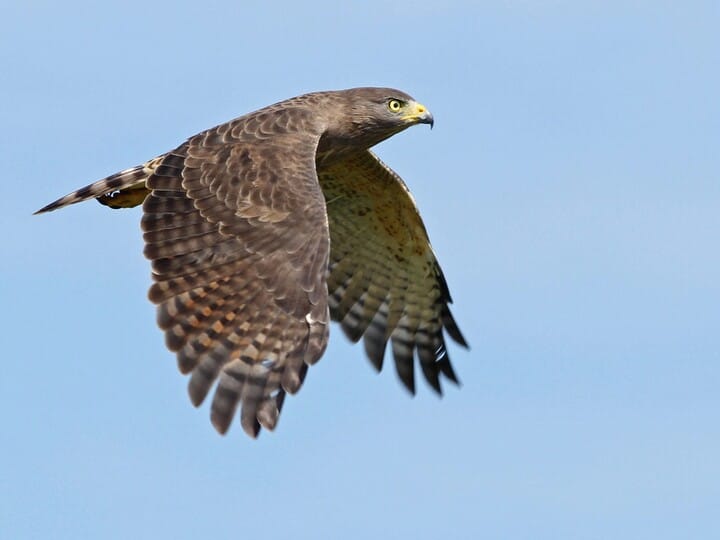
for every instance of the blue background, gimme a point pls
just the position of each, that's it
(570, 188)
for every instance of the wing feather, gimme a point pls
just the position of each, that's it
(383, 280)
(239, 248)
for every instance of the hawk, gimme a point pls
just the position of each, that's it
(263, 229)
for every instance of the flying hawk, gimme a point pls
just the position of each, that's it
(263, 229)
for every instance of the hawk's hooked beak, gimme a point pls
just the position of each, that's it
(419, 114)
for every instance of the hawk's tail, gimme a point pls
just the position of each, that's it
(120, 190)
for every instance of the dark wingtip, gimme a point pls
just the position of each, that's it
(406, 374)
(430, 367)
(404, 363)
(434, 383)
(451, 327)
(409, 386)
(220, 424)
(375, 350)
(446, 369)
(49, 208)
(255, 431)
(353, 333)
(459, 338)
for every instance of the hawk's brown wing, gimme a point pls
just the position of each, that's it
(384, 281)
(237, 233)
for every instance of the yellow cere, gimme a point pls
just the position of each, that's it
(414, 111)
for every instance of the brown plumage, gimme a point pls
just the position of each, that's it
(262, 229)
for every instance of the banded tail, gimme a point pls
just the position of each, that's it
(120, 190)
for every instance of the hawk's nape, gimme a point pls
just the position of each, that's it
(262, 229)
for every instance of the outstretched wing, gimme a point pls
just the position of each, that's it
(384, 281)
(237, 233)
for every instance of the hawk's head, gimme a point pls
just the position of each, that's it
(363, 117)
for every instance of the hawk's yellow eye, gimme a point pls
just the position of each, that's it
(394, 105)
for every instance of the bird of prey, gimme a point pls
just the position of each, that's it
(263, 229)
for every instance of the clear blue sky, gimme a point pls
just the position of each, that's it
(571, 191)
